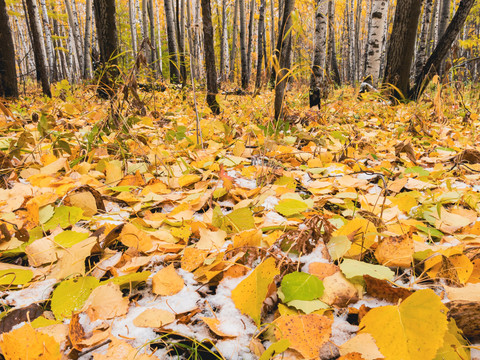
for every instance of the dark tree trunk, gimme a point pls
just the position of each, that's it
(434, 61)
(285, 45)
(243, 45)
(171, 42)
(402, 46)
(250, 40)
(108, 45)
(37, 38)
(210, 69)
(317, 86)
(332, 56)
(8, 71)
(260, 44)
(181, 39)
(234, 41)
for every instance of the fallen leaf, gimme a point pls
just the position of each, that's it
(363, 344)
(106, 302)
(383, 289)
(154, 318)
(167, 282)
(395, 251)
(306, 333)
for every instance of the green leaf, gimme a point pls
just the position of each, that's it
(71, 294)
(430, 231)
(69, 238)
(15, 276)
(64, 216)
(290, 207)
(454, 345)
(42, 322)
(417, 170)
(130, 280)
(354, 270)
(301, 286)
(45, 213)
(308, 306)
(275, 349)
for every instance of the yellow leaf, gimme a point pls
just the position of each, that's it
(250, 294)
(189, 179)
(395, 251)
(113, 173)
(133, 237)
(167, 282)
(306, 333)
(27, 343)
(106, 302)
(154, 318)
(247, 238)
(211, 240)
(192, 258)
(213, 324)
(85, 201)
(412, 330)
(360, 232)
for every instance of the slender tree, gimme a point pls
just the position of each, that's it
(88, 40)
(133, 25)
(38, 47)
(319, 54)
(375, 38)
(210, 69)
(250, 40)
(331, 55)
(243, 45)
(422, 40)
(260, 45)
(172, 42)
(74, 28)
(233, 51)
(108, 44)
(434, 61)
(285, 41)
(401, 46)
(8, 72)
(224, 43)
(48, 41)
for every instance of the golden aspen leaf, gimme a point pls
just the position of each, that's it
(211, 240)
(106, 302)
(362, 344)
(154, 318)
(250, 294)
(167, 282)
(85, 201)
(395, 251)
(463, 266)
(132, 236)
(213, 324)
(192, 258)
(27, 343)
(120, 349)
(322, 270)
(412, 330)
(361, 233)
(247, 238)
(188, 179)
(306, 333)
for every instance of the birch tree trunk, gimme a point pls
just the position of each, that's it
(74, 28)
(260, 45)
(401, 47)
(88, 41)
(153, 53)
(285, 45)
(243, 45)
(375, 39)
(422, 41)
(351, 41)
(317, 85)
(133, 25)
(250, 40)
(358, 20)
(234, 42)
(48, 41)
(38, 46)
(8, 71)
(443, 18)
(224, 44)
(210, 69)
(172, 42)
(159, 40)
(181, 39)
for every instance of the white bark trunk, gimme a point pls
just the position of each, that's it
(74, 30)
(133, 25)
(88, 41)
(48, 40)
(375, 39)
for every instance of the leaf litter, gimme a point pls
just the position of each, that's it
(353, 234)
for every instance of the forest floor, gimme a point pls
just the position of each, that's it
(352, 231)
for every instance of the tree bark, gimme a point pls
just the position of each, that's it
(358, 18)
(260, 45)
(88, 41)
(181, 39)
(48, 41)
(234, 42)
(38, 48)
(8, 72)
(210, 69)
(434, 61)
(250, 40)
(133, 26)
(284, 43)
(317, 81)
(243, 45)
(401, 47)
(375, 39)
(107, 43)
(422, 40)
(332, 56)
(74, 28)
(153, 53)
(224, 44)
(172, 42)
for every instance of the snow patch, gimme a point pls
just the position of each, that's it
(36, 293)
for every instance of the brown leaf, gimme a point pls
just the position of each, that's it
(17, 316)
(467, 317)
(382, 289)
(470, 156)
(406, 147)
